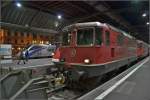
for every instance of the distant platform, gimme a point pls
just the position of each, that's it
(32, 63)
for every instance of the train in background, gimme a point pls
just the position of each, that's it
(38, 51)
(92, 50)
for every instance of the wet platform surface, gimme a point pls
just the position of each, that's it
(136, 87)
(132, 84)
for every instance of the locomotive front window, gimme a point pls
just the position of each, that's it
(85, 36)
(66, 38)
(98, 36)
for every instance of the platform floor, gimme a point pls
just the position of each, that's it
(135, 87)
(30, 64)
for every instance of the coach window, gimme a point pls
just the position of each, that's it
(98, 36)
(8, 33)
(107, 34)
(16, 42)
(22, 41)
(28, 35)
(35, 47)
(16, 33)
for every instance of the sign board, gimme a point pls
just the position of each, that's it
(5, 53)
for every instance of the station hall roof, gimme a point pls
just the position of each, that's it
(125, 15)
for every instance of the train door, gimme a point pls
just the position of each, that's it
(108, 43)
(109, 51)
(120, 48)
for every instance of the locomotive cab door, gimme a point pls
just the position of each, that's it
(109, 49)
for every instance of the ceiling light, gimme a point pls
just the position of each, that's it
(18, 4)
(56, 24)
(144, 15)
(26, 25)
(147, 23)
(59, 16)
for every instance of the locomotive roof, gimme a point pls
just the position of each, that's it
(121, 31)
(92, 24)
(80, 25)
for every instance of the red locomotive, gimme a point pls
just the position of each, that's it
(93, 49)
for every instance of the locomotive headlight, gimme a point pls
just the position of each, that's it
(55, 60)
(86, 61)
(52, 54)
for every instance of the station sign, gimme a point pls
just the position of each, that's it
(5, 53)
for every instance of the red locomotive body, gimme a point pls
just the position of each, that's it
(94, 49)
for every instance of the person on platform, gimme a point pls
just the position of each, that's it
(21, 57)
(27, 56)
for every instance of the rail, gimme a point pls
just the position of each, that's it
(8, 75)
(7, 88)
(24, 88)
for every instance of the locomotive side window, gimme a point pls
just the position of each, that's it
(85, 36)
(120, 39)
(66, 38)
(98, 36)
(107, 37)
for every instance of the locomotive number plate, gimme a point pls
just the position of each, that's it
(73, 52)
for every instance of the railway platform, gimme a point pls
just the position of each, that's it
(32, 63)
(35, 66)
(27, 80)
(133, 84)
